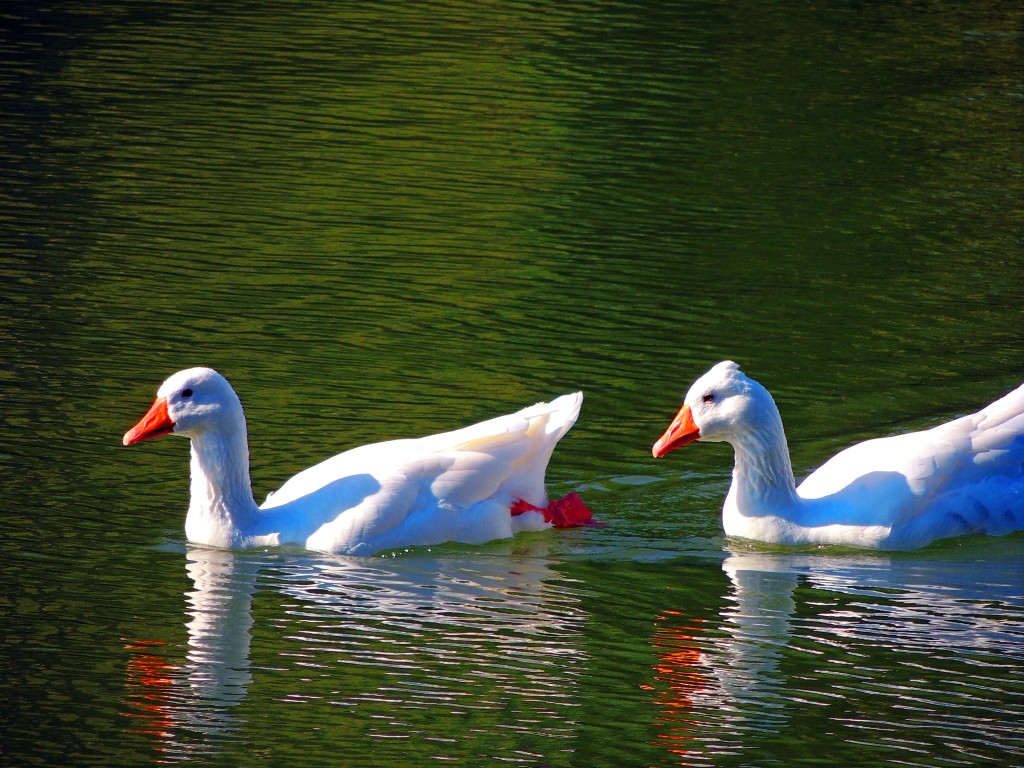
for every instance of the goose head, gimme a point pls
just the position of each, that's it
(723, 405)
(190, 403)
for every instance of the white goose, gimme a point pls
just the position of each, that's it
(901, 492)
(472, 485)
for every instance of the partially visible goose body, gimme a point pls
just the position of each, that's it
(902, 492)
(472, 485)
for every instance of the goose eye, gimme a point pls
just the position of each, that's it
(708, 398)
(186, 393)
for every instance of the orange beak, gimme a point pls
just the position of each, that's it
(681, 431)
(155, 423)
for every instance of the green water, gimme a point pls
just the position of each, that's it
(390, 219)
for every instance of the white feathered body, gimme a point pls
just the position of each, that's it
(901, 492)
(456, 486)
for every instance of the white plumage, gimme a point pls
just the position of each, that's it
(456, 486)
(902, 492)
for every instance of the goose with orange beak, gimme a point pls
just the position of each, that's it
(472, 485)
(900, 492)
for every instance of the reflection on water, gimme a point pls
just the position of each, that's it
(449, 657)
(448, 651)
(188, 709)
(735, 681)
(899, 654)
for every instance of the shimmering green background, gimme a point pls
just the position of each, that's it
(388, 219)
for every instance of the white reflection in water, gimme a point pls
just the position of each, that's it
(219, 635)
(419, 633)
(893, 652)
(188, 709)
(732, 676)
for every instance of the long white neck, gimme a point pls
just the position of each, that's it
(762, 479)
(222, 504)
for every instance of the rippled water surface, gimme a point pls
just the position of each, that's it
(390, 219)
